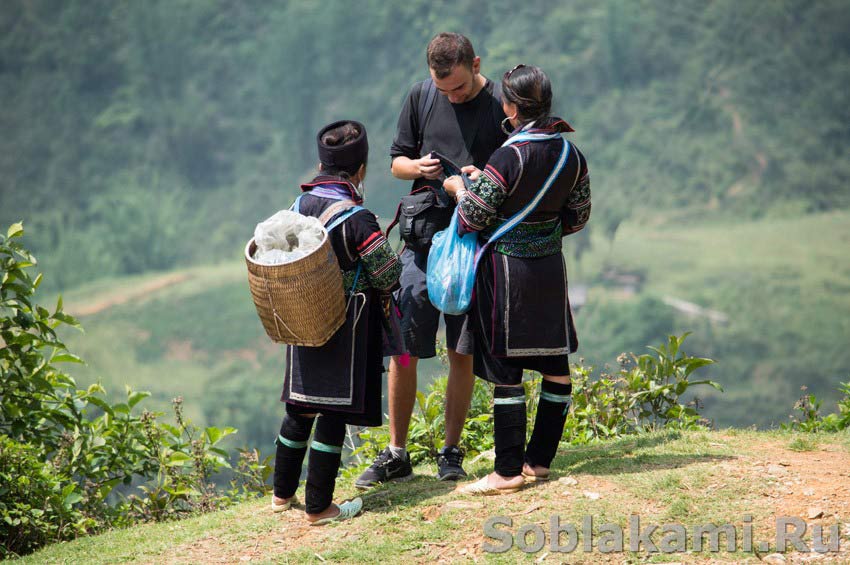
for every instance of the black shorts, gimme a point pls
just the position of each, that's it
(420, 320)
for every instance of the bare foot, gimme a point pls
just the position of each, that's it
(536, 471)
(329, 512)
(280, 501)
(496, 480)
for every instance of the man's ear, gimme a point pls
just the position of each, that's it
(476, 65)
(321, 168)
(361, 172)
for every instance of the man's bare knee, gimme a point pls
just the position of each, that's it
(397, 370)
(460, 360)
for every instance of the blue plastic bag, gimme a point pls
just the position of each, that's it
(451, 269)
(453, 258)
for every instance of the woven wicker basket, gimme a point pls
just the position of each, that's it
(299, 303)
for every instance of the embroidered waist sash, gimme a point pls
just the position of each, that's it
(531, 239)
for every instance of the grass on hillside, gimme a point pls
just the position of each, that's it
(693, 478)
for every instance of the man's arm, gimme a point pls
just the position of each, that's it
(407, 161)
(405, 168)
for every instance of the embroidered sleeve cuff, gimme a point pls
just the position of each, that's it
(477, 209)
(380, 263)
(577, 208)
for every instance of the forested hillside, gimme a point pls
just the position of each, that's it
(148, 135)
(142, 136)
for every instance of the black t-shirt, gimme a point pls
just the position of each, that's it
(446, 124)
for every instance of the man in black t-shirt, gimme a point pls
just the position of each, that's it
(460, 119)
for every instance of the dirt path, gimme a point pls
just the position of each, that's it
(813, 485)
(759, 166)
(132, 294)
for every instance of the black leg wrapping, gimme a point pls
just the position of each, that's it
(548, 423)
(325, 456)
(509, 429)
(291, 448)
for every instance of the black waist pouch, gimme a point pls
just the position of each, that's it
(422, 214)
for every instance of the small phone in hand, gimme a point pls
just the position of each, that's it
(450, 168)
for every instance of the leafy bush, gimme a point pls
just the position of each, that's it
(35, 507)
(88, 445)
(186, 458)
(643, 395)
(810, 419)
(426, 435)
(427, 428)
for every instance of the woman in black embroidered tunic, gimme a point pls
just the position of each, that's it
(341, 380)
(521, 314)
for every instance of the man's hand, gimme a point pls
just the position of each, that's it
(406, 168)
(429, 168)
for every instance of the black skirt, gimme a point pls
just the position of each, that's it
(343, 376)
(521, 318)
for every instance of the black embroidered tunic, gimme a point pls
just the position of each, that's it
(521, 313)
(343, 376)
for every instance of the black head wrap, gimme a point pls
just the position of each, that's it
(347, 156)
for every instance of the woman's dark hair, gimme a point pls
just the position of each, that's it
(337, 137)
(529, 88)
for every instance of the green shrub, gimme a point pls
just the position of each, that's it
(810, 419)
(600, 409)
(92, 444)
(87, 445)
(35, 507)
(645, 394)
(427, 428)
(426, 435)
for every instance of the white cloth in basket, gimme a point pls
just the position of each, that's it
(285, 237)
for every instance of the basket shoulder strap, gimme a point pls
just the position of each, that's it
(296, 206)
(339, 211)
(334, 209)
(344, 216)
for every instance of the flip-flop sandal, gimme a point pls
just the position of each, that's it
(482, 488)
(347, 511)
(535, 478)
(285, 506)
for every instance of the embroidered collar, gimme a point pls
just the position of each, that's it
(546, 125)
(329, 186)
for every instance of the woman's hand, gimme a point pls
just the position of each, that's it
(473, 172)
(454, 186)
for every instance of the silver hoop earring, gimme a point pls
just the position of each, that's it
(505, 129)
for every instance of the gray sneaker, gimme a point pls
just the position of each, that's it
(385, 468)
(449, 464)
